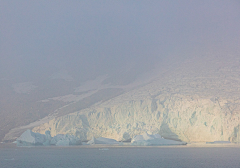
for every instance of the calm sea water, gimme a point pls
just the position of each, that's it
(65, 157)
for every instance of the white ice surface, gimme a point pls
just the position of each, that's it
(156, 139)
(102, 140)
(65, 140)
(31, 138)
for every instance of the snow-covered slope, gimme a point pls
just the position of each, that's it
(195, 101)
(28, 104)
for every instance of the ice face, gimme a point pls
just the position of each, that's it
(65, 140)
(102, 140)
(150, 140)
(56, 138)
(29, 138)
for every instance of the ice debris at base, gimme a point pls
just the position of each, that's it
(102, 140)
(65, 140)
(153, 140)
(29, 138)
(219, 142)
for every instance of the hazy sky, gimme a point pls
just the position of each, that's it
(96, 37)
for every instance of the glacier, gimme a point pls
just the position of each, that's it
(189, 118)
(198, 101)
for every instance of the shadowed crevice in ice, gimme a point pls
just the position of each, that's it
(166, 132)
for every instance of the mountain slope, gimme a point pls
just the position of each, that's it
(197, 100)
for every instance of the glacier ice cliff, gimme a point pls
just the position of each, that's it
(190, 119)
